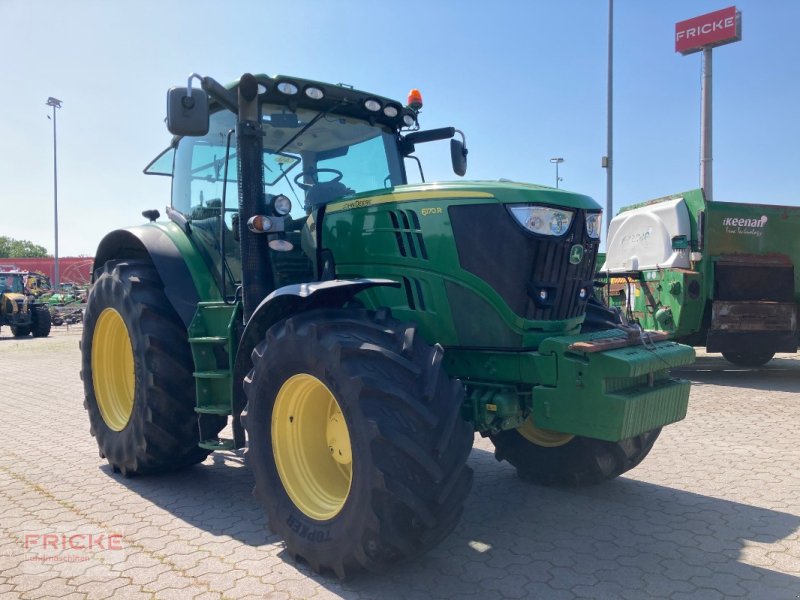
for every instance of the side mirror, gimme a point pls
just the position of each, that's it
(458, 155)
(187, 111)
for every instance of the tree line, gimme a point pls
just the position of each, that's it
(13, 248)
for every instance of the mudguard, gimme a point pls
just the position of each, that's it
(292, 299)
(155, 244)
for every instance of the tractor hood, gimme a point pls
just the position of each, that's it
(506, 192)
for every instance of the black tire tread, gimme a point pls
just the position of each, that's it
(41, 321)
(163, 432)
(419, 446)
(581, 461)
(20, 330)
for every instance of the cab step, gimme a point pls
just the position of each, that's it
(213, 338)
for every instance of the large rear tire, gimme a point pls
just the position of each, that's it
(137, 374)
(547, 457)
(355, 439)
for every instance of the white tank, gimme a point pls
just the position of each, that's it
(641, 239)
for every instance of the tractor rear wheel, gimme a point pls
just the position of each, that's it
(548, 457)
(41, 321)
(355, 439)
(748, 359)
(137, 374)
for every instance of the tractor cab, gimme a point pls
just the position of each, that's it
(320, 143)
(11, 283)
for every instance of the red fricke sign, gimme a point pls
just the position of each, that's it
(709, 30)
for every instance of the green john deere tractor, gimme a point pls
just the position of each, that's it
(356, 328)
(19, 310)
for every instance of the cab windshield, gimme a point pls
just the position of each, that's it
(11, 282)
(310, 157)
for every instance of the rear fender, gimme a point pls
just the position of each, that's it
(15, 298)
(151, 242)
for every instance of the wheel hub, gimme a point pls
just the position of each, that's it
(543, 437)
(113, 376)
(339, 439)
(311, 447)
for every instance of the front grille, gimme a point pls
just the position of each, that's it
(520, 265)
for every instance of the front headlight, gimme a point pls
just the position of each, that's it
(594, 222)
(543, 220)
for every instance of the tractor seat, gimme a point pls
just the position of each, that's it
(322, 193)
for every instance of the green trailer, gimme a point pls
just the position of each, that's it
(715, 274)
(356, 330)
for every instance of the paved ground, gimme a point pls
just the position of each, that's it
(714, 511)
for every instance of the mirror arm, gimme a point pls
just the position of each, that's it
(430, 135)
(189, 83)
(463, 137)
(215, 90)
(419, 164)
(406, 147)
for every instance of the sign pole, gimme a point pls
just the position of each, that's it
(706, 154)
(702, 34)
(609, 118)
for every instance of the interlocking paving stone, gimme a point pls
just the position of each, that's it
(713, 512)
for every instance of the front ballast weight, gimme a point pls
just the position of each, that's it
(600, 417)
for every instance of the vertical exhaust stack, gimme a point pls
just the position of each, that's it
(257, 278)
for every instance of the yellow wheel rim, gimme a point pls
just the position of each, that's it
(542, 437)
(112, 369)
(311, 445)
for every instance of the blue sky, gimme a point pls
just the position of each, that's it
(525, 80)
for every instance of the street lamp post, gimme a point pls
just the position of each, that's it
(556, 162)
(608, 161)
(55, 103)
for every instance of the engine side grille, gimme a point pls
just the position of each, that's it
(414, 295)
(521, 266)
(408, 234)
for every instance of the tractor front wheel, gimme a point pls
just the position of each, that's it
(137, 373)
(20, 330)
(547, 457)
(355, 439)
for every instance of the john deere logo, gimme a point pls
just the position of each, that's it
(576, 254)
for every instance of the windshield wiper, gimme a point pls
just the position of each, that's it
(306, 127)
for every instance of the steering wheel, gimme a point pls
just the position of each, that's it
(307, 186)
